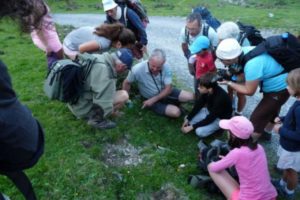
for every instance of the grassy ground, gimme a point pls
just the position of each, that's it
(76, 161)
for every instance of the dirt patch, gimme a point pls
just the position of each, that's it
(121, 154)
(169, 192)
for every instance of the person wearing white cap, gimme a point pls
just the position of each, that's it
(249, 160)
(261, 71)
(226, 30)
(128, 17)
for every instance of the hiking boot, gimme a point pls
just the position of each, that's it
(101, 124)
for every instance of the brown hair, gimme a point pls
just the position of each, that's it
(109, 31)
(235, 142)
(293, 80)
(27, 13)
(208, 80)
(126, 38)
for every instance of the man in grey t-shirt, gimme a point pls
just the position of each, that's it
(154, 79)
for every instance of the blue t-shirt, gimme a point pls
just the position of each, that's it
(262, 68)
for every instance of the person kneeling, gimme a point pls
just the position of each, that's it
(212, 105)
(249, 160)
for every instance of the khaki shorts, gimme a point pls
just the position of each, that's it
(268, 109)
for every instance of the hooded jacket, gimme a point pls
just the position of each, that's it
(21, 137)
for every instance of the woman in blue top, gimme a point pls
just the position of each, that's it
(288, 128)
(263, 71)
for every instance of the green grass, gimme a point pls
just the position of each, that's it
(72, 166)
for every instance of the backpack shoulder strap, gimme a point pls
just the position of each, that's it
(205, 29)
(187, 35)
(258, 50)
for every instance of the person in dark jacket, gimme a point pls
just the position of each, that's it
(21, 137)
(213, 104)
(288, 128)
(128, 17)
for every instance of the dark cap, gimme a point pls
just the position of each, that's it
(125, 56)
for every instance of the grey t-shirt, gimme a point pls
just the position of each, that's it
(85, 34)
(148, 85)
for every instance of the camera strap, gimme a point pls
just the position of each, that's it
(160, 73)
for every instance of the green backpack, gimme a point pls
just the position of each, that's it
(66, 78)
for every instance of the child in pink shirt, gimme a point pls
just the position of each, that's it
(249, 160)
(46, 38)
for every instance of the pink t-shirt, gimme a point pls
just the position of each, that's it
(252, 169)
(204, 63)
(47, 38)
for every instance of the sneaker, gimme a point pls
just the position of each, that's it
(103, 124)
(281, 191)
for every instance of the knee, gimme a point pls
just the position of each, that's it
(123, 95)
(174, 112)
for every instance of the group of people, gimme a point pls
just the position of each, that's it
(212, 110)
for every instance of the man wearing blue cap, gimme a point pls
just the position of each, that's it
(99, 98)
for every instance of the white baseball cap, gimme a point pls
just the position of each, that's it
(228, 49)
(109, 4)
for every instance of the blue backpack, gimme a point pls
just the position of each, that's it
(206, 15)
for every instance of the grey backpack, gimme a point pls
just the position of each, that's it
(66, 78)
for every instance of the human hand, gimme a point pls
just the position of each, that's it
(277, 127)
(148, 103)
(186, 129)
(277, 120)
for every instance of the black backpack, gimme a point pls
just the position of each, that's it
(137, 6)
(66, 78)
(284, 48)
(251, 33)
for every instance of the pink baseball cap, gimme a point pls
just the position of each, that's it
(240, 126)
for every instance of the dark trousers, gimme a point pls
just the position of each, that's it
(22, 182)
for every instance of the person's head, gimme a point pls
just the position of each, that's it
(207, 83)
(193, 23)
(201, 44)
(123, 59)
(228, 51)
(110, 7)
(109, 31)
(240, 130)
(156, 61)
(27, 13)
(293, 81)
(126, 38)
(228, 30)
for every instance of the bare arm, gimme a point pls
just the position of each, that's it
(248, 88)
(90, 46)
(126, 85)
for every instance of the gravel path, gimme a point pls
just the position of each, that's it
(163, 32)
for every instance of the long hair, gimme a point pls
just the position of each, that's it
(235, 142)
(27, 13)
(109, 31)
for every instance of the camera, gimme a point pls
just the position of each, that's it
(223, 74)
(226, 74)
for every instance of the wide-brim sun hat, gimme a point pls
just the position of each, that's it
(239, 126)
(228, 49)
(201, 42)
(108, 4)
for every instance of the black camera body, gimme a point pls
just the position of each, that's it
(227, 73)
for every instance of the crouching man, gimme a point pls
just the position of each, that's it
(100, 98)
(154, 80)
(213, 104)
